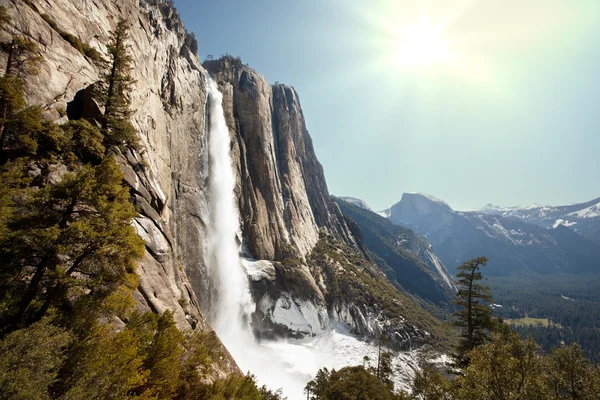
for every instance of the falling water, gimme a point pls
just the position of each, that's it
(231, 304)
(286, 364)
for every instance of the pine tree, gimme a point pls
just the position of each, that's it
(475, 314)
(505, 368)
(430, 384)
(22, 58)
(70, 242)
(114, 91)
(572, 376)
(31, 359)
(384, 368)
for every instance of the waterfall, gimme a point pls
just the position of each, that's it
(233, 305)
(286, 364)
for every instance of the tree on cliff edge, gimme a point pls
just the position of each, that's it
(114, 91)
(475, 313)
(22, 59)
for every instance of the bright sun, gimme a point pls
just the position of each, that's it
(421, 47)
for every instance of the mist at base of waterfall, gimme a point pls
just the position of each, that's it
(290, 364)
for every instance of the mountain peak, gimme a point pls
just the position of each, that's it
(420, 200)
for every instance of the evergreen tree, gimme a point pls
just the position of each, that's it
(475, 314)
(315, 389)
(22, 58)
(71, 242)
(507, 368)
(114, 91)
(163, 358)
(31, 359)
(384, 368)
(356, 383)
(86, 141)
(571, 375)
(103, 365)
(429, 384)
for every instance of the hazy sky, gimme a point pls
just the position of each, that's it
(501, 103)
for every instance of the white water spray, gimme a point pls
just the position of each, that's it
(231, 304)
(286, 364)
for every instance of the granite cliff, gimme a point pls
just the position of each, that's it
(299, 250)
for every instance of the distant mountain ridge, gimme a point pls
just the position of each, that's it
(514, 239)
(583, 218)
(405, 257)
(357, 202)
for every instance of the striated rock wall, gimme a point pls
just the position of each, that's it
(283, 196)
(167, 177)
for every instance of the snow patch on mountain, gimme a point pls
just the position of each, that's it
(385, 213)
(589, 212)
(560, 221)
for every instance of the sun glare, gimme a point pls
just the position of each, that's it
(421, 46)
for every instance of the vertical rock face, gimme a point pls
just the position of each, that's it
(167, 177)
(281, 188)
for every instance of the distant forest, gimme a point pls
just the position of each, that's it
(571, 303)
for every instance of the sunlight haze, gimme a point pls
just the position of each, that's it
(471, 101)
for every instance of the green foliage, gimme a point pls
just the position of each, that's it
(11, 183)
(105, 366)
(571, 375)
(86, 141)
(30, 135)
(114, 91)
(475, 314)
(163, 358)
(12, 96)
(571, 304)
(74, 240)
(349, 383)
(30, 361)
(506, 368)
(315, 389)
(22, 57)
(509, 368)
(429, 384)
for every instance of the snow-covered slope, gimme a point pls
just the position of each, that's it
(513, 239)
(583, 218)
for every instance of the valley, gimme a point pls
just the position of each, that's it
(167, 228)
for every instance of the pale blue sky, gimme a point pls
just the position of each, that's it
(514, 120)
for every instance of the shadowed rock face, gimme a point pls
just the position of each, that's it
(407, 259)
(283, 196)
